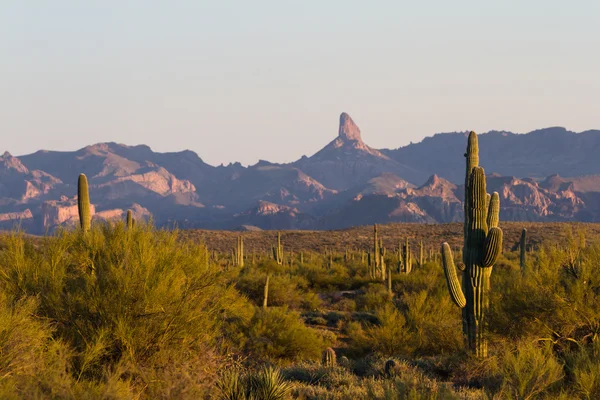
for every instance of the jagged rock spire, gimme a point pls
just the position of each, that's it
(348, 129)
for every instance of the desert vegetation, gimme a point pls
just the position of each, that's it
(123, 310)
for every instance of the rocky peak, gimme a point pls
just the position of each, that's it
(12, 164)
(348, 129)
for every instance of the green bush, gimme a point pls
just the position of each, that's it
(529, 371)
(280, 334)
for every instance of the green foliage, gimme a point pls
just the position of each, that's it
(530, 370)
(280, 334)
(144, 305)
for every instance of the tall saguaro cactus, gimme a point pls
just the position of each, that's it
(482, 247)
(83, 203)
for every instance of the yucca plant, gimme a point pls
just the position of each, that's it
(268, 384)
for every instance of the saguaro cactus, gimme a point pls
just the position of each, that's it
(83, 203)
(129, 220)
(266, 292)
(407, 257)
(523, 250)
(329, 358)
(482, 247)
(376, 254)
(278, 251)
(239, 252)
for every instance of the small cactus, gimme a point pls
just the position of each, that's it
(83, 204)
(329, 359)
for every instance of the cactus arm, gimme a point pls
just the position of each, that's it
(456, 292)
(492, 247)
(493, 216)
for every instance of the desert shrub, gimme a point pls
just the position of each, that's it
(345, 305)
(283, 288)
(280, 334)
(434, 323)
(530, 370)
(583, 369)
(388, 336)
(375, 296)
(138, 307)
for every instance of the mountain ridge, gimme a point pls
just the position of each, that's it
(546, 175)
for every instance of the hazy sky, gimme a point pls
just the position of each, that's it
(247, 80)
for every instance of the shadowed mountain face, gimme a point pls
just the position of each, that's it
(546, 175)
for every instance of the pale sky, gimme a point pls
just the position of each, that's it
(248, 80)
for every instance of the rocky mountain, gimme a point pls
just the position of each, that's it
(546, 175)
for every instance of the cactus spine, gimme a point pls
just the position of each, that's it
(83, 203)
(523, 250)
(482, 247)
(329, 359)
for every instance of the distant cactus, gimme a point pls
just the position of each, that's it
(407, 257)
(83, 204)
(482, 247)
(278, 250)
(266, 293)
(129, 220)
(421, 255)
(382, 266)
(376, 259)
(239, 252)
(329, 359)
(523, 250)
